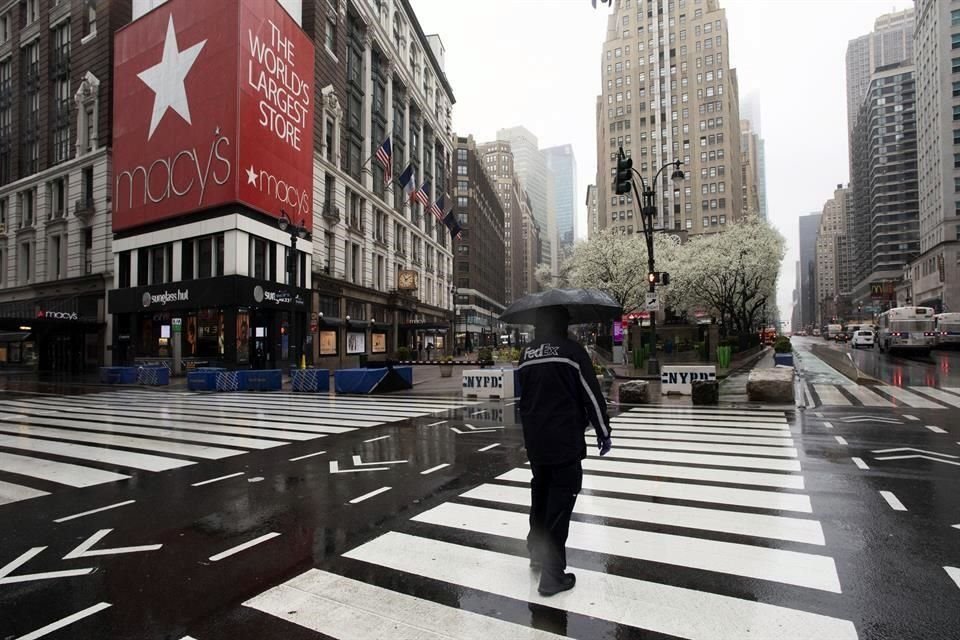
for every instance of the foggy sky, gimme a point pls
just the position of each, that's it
(538, 63)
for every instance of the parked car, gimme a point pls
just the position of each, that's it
(816, 333)
(841, 336)
(863, 338)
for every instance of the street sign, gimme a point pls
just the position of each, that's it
(653, 301)
(177, 325)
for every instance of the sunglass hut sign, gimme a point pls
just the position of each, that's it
(198, 126)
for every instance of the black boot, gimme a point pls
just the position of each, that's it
(550, 585)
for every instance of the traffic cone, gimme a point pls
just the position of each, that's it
(303, 361)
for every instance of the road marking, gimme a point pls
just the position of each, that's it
(841, 440)
(242, 547)
(910, 399)
(22, 559)
(725, 421)
(63, 622)
(436, 468)
(809, 396)
(375, 439)
(340, 607)
(759, 478)
(366, 496)
(954, 574)
(474, 430)
(489, 446)
(713, 411)
(623, 427)
(232, 475)
(893, 501)
(633, 487)
(700, 518)
(830, 395)
(704, 459)
(937, 394)
(868, 397)
(955, 526)
(357, 462)
(83, 549)
(732, 558)
(477, 413)
(913, 418)
(510, 404)
(818, 414)
(144, 461)
(433, 424)
(630, 436)
(309, 455)
(626, 601)
(10, 492)
(932, 453)
(86, 513)
(828, 425)
(931, 458)
(936, 429)
(707, 447)
(860, 463)
(335, 468)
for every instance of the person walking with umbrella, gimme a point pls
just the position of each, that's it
(560, 398)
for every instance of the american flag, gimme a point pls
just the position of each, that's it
(423, 194)
(384, 155)
(437, 209)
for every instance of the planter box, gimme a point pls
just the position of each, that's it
(446, 371)
(783, 359)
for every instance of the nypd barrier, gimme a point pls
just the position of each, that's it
(679, 379)
(490, 383)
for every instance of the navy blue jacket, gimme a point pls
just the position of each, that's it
(559, 398)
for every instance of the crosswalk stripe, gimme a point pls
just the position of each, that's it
(627, 601)
(729, 476)
(705, 459)
(175, 434)
(152, 418)
(910, 399)
(10, 492)
(119, 417)
(741, 424)
(783, 452)
(745, 524)
(348, 609)
(867, 397)
(830, 395)
(620, 426)
(775, 500)
(219, 415)
(937, 394)
(145, 461)
(149, 444)
(732, 558)
(622, 436)
(303, 400)
(754, 413)
(72, 475)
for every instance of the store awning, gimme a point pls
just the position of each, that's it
(426, 326)
(382, 326)
(14, 336)
(358, 325)
(330, 321)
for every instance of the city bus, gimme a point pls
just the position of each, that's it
(907, 329)
(947, 329)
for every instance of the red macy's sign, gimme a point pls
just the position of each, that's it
(213, 105)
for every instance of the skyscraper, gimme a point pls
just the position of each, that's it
(833, 279)
(809, 225)
(592, 222)
(669, 93)
(563, 166)
(886, 234)
(934, 274)
(753, 172)
(530, 166)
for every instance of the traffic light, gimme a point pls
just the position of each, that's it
(624, 175)
(665, 278)
(653, 277)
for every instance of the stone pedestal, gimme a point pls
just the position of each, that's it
(771, 385)
(705, 392)
(634, 392)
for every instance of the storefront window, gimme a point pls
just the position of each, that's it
(209, 333)
(356, 342)
(205, 269)
(328, 343)
(243, 337)
(378, 343)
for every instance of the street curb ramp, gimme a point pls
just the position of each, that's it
(843, 363)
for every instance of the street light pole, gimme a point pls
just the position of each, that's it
(648, 212)
(296, 232)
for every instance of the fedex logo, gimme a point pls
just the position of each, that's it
(543, 351)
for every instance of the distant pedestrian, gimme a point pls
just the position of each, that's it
(560, 399)
(429, 351)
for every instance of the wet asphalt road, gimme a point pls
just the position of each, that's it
(890, 563)
(941, 368)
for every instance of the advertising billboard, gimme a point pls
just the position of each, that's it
(213, 105)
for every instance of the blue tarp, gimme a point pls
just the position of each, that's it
(260, 380)
(118, 375)
(311, 380)
(373, 380)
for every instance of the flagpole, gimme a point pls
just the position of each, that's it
(373, 155)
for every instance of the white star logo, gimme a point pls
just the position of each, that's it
(252, 176)
(166, 78)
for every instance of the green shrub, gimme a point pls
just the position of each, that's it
(403, 353)
(485, 355)
(782, 345)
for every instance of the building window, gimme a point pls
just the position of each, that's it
(24, 263)
(60, 112)
(30, 131)
(31, 11)
(90, 24)
(330, 36)
(55, 258)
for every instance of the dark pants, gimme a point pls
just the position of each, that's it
(554, 490)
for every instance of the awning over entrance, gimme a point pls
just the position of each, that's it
(14, 336)
(65, 308)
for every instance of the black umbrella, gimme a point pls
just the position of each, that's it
(584, 306)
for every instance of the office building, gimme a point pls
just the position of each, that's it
(753, 173)
(832, 282)
(563, 167)
(479, 262)
(593, 223)
(530, 166)
(935, 273)
(669, 94)
(809, 227)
